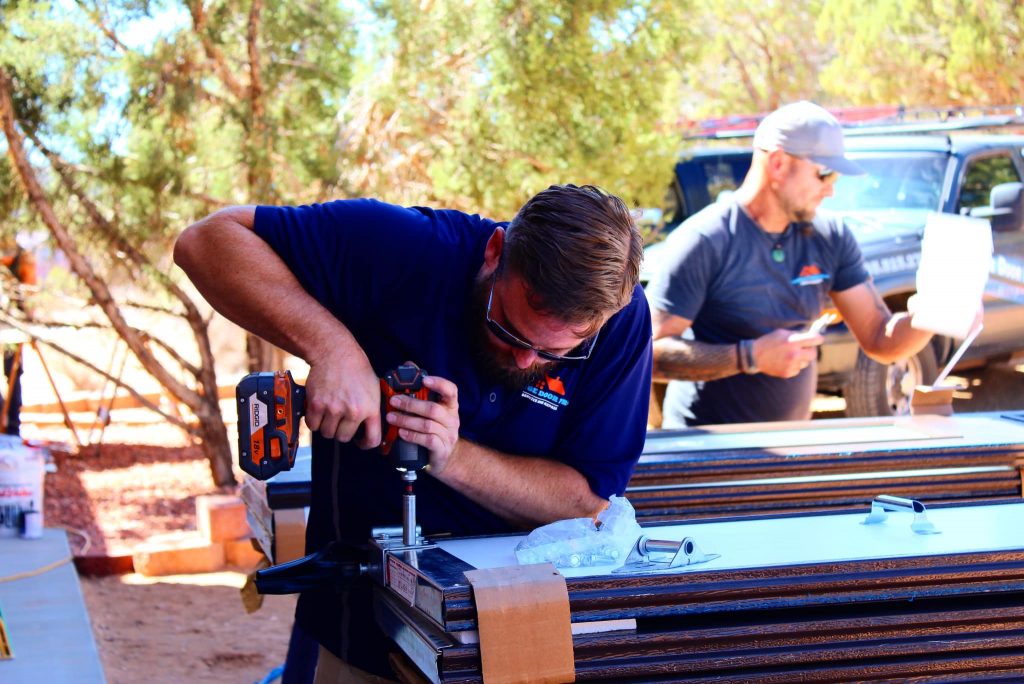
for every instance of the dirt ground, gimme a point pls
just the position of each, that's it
(188, 628)
(185, 629)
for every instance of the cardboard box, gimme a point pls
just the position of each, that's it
(289, 534)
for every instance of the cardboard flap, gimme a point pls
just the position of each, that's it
(524, 623)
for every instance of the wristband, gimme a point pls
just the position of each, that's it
(739, 357)
(749, 366)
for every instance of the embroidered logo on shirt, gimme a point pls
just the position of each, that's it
(810, 275)
(548, 392)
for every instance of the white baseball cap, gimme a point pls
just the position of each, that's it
(803, 129)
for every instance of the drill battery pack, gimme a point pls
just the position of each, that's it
(270, 408)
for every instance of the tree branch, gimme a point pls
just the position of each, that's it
(93, 172)
(213, 53)
(146, 403)
(191, 314)
(173, 353)
(153, 308)
(257, 167)
(97, 19)
(82, 268)
(748, 82)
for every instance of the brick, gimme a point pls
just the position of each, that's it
(177, 553)
(221, 517)
(240, 553)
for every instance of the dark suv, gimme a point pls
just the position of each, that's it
(908, 176)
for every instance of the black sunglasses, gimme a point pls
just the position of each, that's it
(823, 173)
(584, 349)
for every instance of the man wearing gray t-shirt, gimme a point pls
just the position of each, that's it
(748, 275)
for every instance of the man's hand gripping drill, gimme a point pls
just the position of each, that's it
(271, 405)
(270, 408)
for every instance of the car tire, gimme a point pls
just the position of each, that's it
(877, 389)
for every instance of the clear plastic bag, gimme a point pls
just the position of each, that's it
(578, 542)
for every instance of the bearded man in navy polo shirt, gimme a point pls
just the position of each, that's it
(535, 334)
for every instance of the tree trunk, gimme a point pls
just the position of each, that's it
(215, 444)
(202, 400)
(261, 355)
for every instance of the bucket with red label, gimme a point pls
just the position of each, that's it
(21, 483)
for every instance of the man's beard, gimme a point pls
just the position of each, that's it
(804, 215)
(496, 364)
(798, 214)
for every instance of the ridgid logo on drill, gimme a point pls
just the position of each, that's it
(257, 413)
(549, 392)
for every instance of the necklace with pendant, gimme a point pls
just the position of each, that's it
(778, 254)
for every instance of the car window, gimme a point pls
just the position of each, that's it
(892, 180)
(703, 180)
(982, 175)
(721, 178)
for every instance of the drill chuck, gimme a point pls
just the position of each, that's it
(408, 456)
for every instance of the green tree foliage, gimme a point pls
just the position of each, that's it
(117, 144)
(480, 104)
(754, 56)
(919, 52)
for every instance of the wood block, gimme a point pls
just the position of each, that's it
(240, 553)
(221, 517)
(177, 553)
(932, 400)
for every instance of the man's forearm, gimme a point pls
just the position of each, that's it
(898, 340)
(525, 490)
(680, 359)
(292, 319)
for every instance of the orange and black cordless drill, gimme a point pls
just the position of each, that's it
(267, 443)
(271, 406)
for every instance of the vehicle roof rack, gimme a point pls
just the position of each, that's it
(876, 121)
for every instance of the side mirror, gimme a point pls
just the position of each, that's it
(1006, 210)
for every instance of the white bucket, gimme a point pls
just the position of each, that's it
(21, 482)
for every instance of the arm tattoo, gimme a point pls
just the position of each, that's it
(679, 359)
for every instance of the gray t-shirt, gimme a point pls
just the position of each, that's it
(721, 274)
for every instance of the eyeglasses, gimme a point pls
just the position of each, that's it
(584, 349)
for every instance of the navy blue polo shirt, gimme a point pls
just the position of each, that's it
(400, 279)
(720, 273)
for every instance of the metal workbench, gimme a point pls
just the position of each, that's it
(790, 598)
